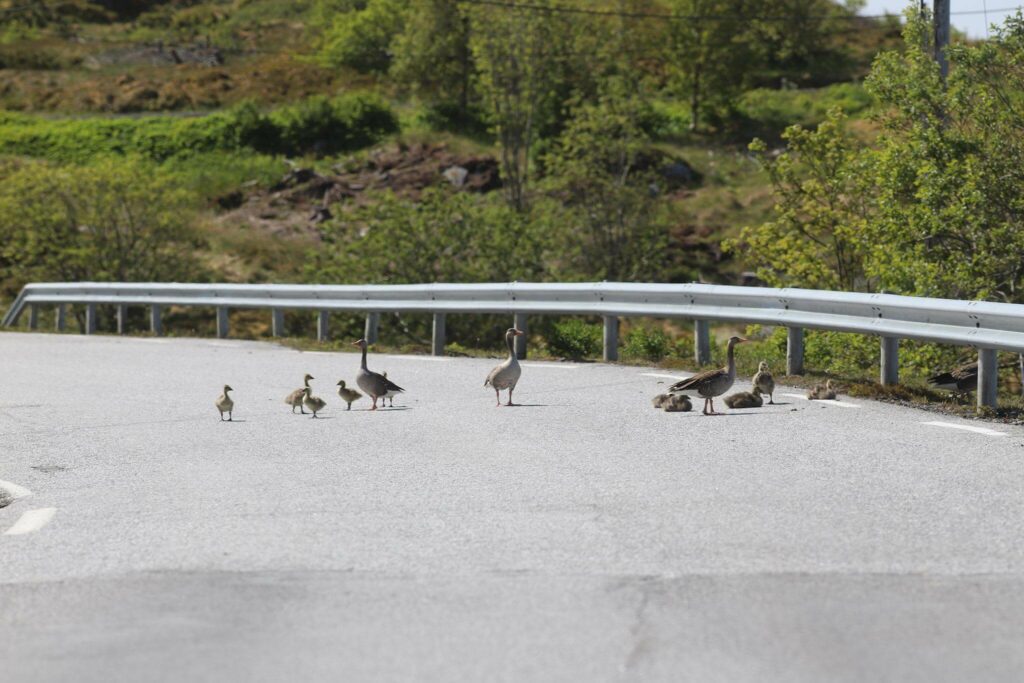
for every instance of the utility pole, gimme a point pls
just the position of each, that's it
(940, 12)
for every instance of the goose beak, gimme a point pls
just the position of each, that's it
(518, 333)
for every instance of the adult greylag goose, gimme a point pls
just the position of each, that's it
(822, 392)
(677, 403)
(225, 404)
(961, 379)
(745, 399)
(348, 395)
(294, 399)
(314, 403)
(764, 381)
(712, 383)
(374, 384)
(506, 375)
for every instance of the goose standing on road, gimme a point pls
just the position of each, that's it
(348, 395)
(764, 381)
(712, 383)
(314, 403)
(225, 404)
(506, 375)
(374, 384)
(295, 398)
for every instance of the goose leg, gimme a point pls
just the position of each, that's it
(231, 417)
(510, 390)
(375, 403)
(349, 406)
(771, 399)
(497, 395)
(705, 411)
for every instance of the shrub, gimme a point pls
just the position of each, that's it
(646, 344)
(575, 339)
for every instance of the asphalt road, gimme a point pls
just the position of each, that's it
(583, 536)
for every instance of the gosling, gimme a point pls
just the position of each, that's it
(822, 392)
(312, 402)
(660, 400)
(389, 395)
(294, 399)
(764, 381)
(677, 403)
(225, 404)
(348, 395)
(745, 399)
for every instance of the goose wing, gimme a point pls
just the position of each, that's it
(697, 380)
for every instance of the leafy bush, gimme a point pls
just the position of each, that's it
(317, 125)
(646, 344)
(769, 111)
(575, 339)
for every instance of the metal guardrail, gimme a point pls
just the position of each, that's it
(988, 326)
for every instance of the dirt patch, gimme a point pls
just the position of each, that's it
(304, 198)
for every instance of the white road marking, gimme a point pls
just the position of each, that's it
(15, 490)
(33, 520)
(967, 428)
(830, 402)
(657, 374)
(552, 366)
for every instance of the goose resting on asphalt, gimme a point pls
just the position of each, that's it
(660, 400)
(745, 399)
(764, 381)
(348, 395)
(712, 383)
(374, 384)
(312, 402)
(506, 375)
(677, 403)
(225, 404)
(822, 392)
(294, 399)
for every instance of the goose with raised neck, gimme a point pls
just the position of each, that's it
(373, 383)
(295, 398)
(712, 383)
(225, 404)
(506, 375)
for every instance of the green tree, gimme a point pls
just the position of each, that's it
(359, 34)
(110, 221)
(615, 226)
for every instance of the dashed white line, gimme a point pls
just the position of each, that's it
(838, 404)
(658, 374)
(15, 490)
(966, 428)
(33, 520)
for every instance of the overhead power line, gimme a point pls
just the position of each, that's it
(567, 9)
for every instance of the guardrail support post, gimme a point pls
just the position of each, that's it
(988, 377)
(33, 316)
(122, 318)
(520, 342)
(794, 351)
(322, 320)
(90, 318)
(702, 342)
(222, 322)
(60, 317)
(890, 361)
(156, 323)
(611, 338)
(437, 339)
(372, 323)
(277, 322)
